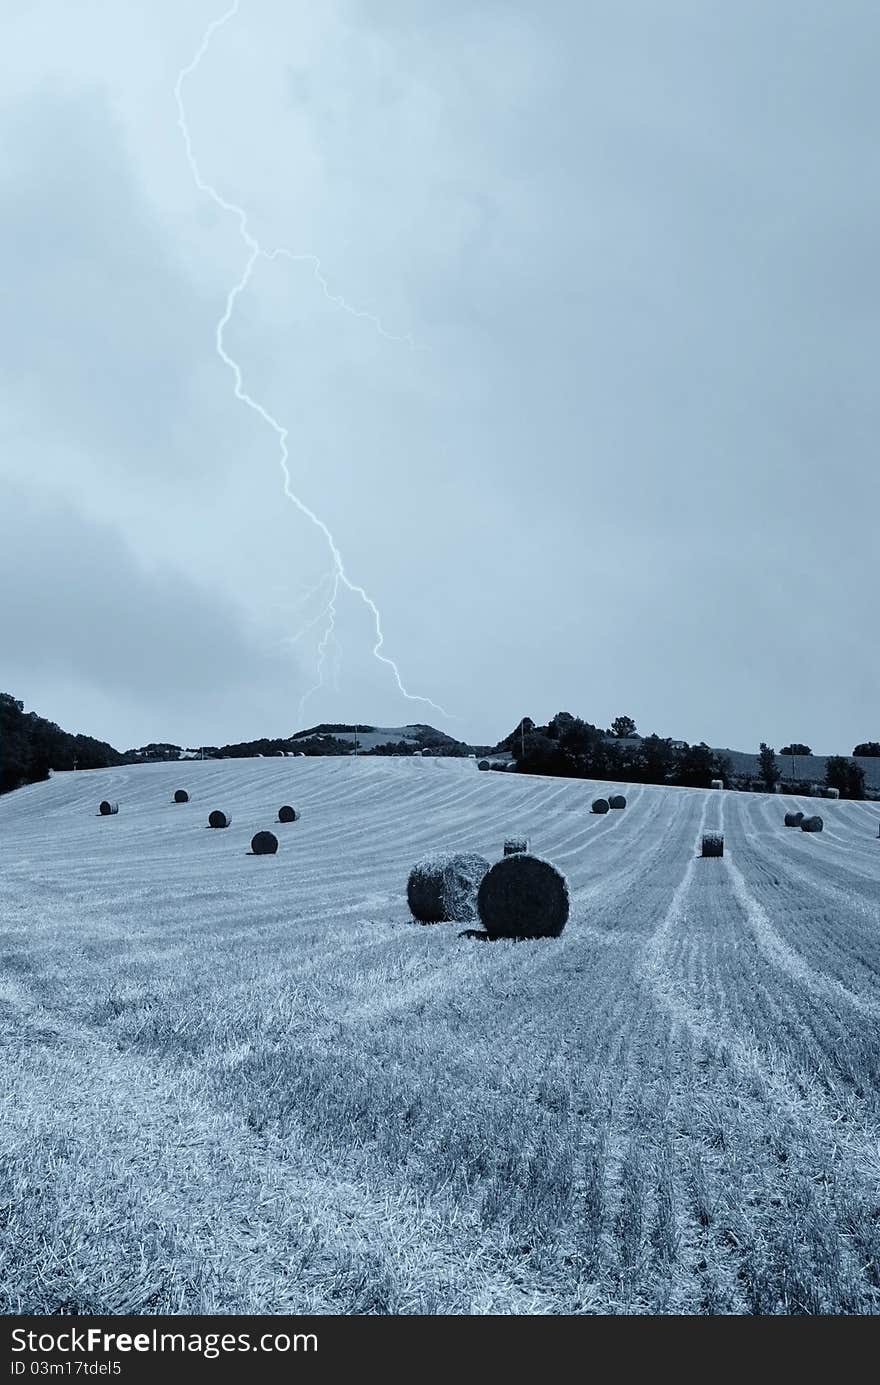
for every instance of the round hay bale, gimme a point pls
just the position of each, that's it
(287, 814)
(512, 845)
(442, 887)
(617, 800)
(511, 768)
(181, 796)
(217, 818)
(832, 793)
(713, 844)
(716, 784)
(483, 764)
(600, 805)
(105, 808)
(813, 824)
(794, 819)
(264, 844)
(523, 896)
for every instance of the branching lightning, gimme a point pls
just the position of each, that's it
(338, 577)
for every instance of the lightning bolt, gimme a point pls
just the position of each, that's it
(256, 252)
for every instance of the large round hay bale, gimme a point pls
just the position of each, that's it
(794, 819)
(713, 844)
(264, 844)
(287, 814)
(512, 845)
(832, 793)
(617, 800)
(442, 887)
(483, 764)
(716, 784)
(813, 824)
(217, 818)
(181, 796)
(600, 805)
(105, 808)
(523, 896)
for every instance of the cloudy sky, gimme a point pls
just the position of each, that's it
(594, 424)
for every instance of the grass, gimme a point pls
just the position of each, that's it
(240, 1085)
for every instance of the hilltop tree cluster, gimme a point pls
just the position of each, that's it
(570, 746)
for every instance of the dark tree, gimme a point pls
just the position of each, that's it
(695, 766)
(796, 748)
(655, 759)
(845, 775)
(867, 748)
(769, 768)
(623, 726)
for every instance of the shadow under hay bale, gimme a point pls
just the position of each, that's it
(617, 800)
(512, 845)
(181, 796)
(217, 818)
(442, 888)
(287, 814)
(712, 845)
(105, 808)
(264, 844)
(600, 805)
(813, 824)
(523, 896)
(794, 819)
(479, 933)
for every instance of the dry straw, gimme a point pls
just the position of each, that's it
(442, 887)
(523, 896)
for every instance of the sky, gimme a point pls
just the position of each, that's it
(577, 366)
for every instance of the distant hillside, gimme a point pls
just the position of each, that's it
(31, 746)
(800, 768)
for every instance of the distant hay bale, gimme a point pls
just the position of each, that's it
(105, 808)
(442, 887)
(287, 814)
(523, 896)
(794, 819)
(713, 844)
(217, 818)
(617, 800)
(716, 784)
(600, 805)
(832, 793)
(813, 824)
(264, 844)
(512, 845)
(181, 796)
(511, 768)
(483, 764)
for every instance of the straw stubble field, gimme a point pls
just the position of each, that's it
(253, 1084)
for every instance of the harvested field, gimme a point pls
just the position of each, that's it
(237, 1090)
